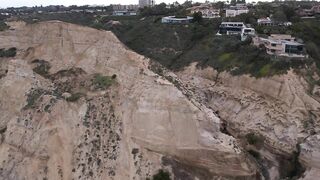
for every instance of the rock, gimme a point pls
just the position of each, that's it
(279, 108)
(66, 95)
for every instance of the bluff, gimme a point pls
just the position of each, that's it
(76, 103)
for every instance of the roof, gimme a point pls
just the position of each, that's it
(178, 18)
(232, 23)
(294, 43)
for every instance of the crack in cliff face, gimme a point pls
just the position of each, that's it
(200, 102)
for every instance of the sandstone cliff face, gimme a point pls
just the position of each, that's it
(130, 130)
(277, 111)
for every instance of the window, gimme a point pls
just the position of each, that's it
(295, 49)
(273, 44)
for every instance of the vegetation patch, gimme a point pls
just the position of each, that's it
(161, 175)
(33, 97)
(42, 67)
(11, 52)
(74, 97)
(254, 139)
(103, 82)
(3, 26)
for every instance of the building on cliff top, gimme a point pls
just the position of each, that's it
(206, 11)
(281, 45)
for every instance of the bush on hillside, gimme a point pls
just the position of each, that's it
(103, 82)
(11, 52)
(74, 97)
(254, 139)
(3, 26)
(161, 175)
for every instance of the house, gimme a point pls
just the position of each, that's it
(307, 13)
(281, 45)
(124, 13)
(247, 32)
(316, 9)
(176, 20)
(236, 10)
(269, 22)
(206, 11)
(265, 22)
(230, 28)
(236, 28)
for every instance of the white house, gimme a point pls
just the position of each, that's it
(236, 28)
(176, 20)
(268, 22)
(233, 11)
(265, 21)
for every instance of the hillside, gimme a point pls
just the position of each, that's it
(77, 104)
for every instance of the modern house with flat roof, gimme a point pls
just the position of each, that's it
(236, 28)
(281, 45)
(236, 10)
(230, 28)
(176, 20)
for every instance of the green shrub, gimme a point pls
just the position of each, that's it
(102, 82)
(254, 139)
(11, 52)
(225, 57)
(33, 97)
(74, 97)
(161, 175)
(42, 67)
(3, 26)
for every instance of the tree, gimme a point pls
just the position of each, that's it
(279, 16)
(197, 17)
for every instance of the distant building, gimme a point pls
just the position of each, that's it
(236, 10)
(176, 20)
(124, 13)
(119, 7)
(148, 3)
(206, 11)
(308, 12)
(281, 45)
(316, 9)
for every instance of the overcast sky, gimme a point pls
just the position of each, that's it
(18, 3)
